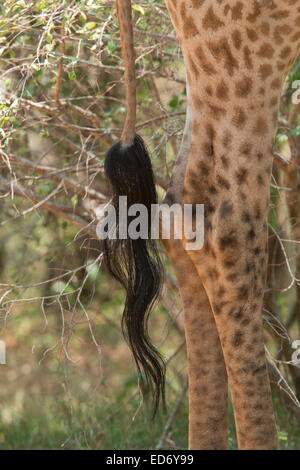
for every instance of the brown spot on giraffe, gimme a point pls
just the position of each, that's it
(189, 27)
(248, 58)
(266, 50)
(265, 70)
(222, 91)
(237, 38)
(221, 50)
(237, 11)
(261, 126)
(205, 64)
(211, 20)
(243, 87)
(239, 118)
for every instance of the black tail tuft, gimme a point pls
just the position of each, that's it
(136, 263)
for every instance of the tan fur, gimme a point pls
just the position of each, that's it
(128, 54)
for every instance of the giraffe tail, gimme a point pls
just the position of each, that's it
(135, 263)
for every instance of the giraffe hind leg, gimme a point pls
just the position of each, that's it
(233, 275)
(208, 403)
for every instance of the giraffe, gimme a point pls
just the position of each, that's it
(236, 55)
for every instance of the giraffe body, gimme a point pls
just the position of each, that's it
(236, 54)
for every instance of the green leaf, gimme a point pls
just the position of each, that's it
(40, 5)
(138, 8)
(72, 75)
(173, 103)
(49, 37)
(295, 131)
(90, 25)
(82, 16)
(44, 189)
(282, 436)
(74, 200)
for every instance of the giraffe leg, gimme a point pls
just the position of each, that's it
(208, 405)
(233, 271)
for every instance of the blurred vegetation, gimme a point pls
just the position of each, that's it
(70, 381)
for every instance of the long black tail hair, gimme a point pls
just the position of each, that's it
(136, 263)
